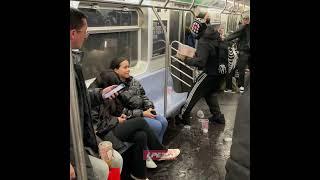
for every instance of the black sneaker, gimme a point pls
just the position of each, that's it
(184, 121)
(219, 118)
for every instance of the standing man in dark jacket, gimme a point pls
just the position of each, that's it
(238, 165)
(243, 33)
(211, 56)
(96, 168)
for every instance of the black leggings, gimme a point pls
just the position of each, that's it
(229, 79)
(243, 62)
(137, 131)
(207, 87)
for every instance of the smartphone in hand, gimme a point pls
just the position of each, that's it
(117, 89)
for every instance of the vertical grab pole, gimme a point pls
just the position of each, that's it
(166, 3)
(75, 128)
(166, 61)
(192, 6)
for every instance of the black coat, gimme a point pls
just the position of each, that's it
(86, 100)
(106, 115)
(108, 120)
(210, 53)
(238, 165)
(243, 33)
(133, 97)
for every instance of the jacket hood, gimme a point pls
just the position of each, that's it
(210, 33)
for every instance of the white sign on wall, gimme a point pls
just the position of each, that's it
(74, 4)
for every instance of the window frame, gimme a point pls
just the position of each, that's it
(115, 29)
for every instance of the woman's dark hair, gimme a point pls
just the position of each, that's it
(114, 107)
(107, 78)
(115, 63)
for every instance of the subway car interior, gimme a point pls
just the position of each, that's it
(153, 35)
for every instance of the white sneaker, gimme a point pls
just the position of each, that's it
(150, 163)
(241, 88)
(135, 178)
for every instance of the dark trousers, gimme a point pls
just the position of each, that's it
(242, 63)
(137, 131)
(207, 87)
(229, 79)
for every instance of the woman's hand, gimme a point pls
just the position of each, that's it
(122, 118)
(148, 114)
(108, 89)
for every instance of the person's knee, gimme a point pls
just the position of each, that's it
(103, 171)
(100, 168)
(140, 137)
(163, 121)
(164, 124)
(117, 160)
(155, 125)
(142, 122)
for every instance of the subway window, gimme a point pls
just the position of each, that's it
(101, 48)
(110, 17)
(188, 19)
(159, 42)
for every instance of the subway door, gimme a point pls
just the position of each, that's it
(177, 34)
(174, 31)
(187, 20)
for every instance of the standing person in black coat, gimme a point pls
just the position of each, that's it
(238, 165)
(243, 33)
(211, 56)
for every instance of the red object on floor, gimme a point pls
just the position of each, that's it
(114, 174)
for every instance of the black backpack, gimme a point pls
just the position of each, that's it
(198, 27)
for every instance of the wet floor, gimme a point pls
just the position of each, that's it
(203, 155)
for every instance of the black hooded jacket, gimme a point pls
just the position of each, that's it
(133, 97)
(243, 33)
(210, 53)
(106, 114)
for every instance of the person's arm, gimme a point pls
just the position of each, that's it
(147, 103)
(95, 95)
(106, 125)
(106, 120)
(88, 164)
(202, 56)
(235, 34)
(223, 58)
(132, 113)
(137, 113)
(125, 96)
(223, 54)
